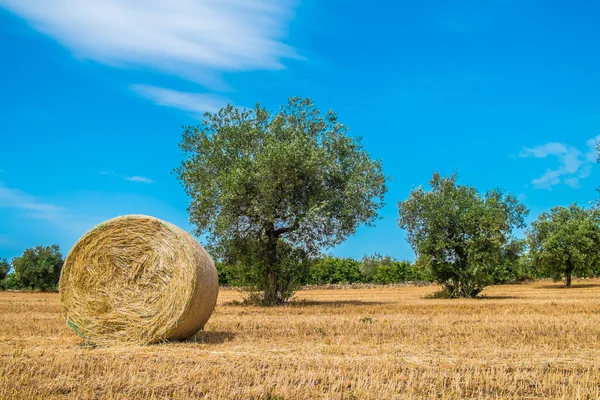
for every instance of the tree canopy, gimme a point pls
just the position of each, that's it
(566, 241)
(270, 189)
(461, 235)
(38, 267)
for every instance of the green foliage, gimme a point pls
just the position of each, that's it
(4, 268)
(460, 234)
(330, 270)
(387, 270)
(398, 271)
(38, 268)
(370, 264)
(229, 275)
(335, 270)
(278, 284)
(515, 264)
(566, 242)
(10, 282)
(270, 190)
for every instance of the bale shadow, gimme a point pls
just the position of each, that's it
(574, 286)
(207, 337)
(441, 295)
(334, 303)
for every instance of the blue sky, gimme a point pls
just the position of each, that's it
(94, 94)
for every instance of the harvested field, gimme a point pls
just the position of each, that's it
(519, 341)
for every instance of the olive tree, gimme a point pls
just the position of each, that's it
(39, 267)
(272, 189)
(566, 241)
(461, 235)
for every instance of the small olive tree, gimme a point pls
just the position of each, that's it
(566, 241)
(271, 189)
(461, 235)
(38, 268)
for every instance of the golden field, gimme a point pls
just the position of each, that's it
(519, 341)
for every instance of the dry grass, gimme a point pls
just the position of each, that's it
(523, 341)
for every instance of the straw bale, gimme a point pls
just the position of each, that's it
(137, 279)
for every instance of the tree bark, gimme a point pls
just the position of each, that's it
(569, 273)
(271, 296)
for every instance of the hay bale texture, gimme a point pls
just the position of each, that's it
(137, 279)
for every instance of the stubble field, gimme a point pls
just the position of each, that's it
(521, 341)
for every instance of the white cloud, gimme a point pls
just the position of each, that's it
(192, 39)
(574, 165)
(141, 179)
(15, 198)
(135, 178)
(592, 149)
(33, 207)
(197, 103)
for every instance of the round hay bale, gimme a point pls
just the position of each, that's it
(137, 279)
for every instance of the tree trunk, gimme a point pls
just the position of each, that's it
(271, 295)
(569, 273)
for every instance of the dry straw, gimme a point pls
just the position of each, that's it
(137, 279)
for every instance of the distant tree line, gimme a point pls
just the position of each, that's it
(37, 269)
(386, 270)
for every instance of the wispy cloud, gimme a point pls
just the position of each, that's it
(135, 178)
(35, 208)
(573, 164)
(196, 103)
(186, 38)
(15, 198)
(141, 179)
(50, 222)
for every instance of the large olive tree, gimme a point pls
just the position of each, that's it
(271, 189)
(461, 235)
(566, 241)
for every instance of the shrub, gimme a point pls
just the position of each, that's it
(330, 270)
(10, 282)
(387, 270)
(229, 275)
(399, 271)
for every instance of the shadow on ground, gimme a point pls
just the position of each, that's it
(308, 303)
(207, 337)
(574, 286)
(480, 297)
(333, 303)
